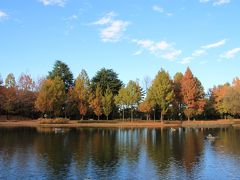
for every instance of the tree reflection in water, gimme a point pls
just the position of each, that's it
(105, 153)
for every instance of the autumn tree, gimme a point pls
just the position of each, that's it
(193, 95)
(231, 101)
(231, 98)
(133, 95)
(145, 107)
(107, 102)
(51, 97)
(82, 92)
(9, 100)
(10, 81)
(217, 96)
(95, 101)
(26, 83)
(26, 96)
(72, 103)
(121, 100)
(106, 78)
(178, 99)
(161, 92)
(62, 70)
(150, 98)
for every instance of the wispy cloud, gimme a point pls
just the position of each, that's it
(202, 51)
(71, 18)
(160, 9)
(137, 53)
(215, 45)
(114, 28)
(216, 2)
(3, 15)
(70, 22)
(53, 2)
(196, 53)
(231, 53)
(186, 60)
(160, 49)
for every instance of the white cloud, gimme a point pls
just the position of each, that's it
(73, 17)
(108, 18)
(220, 2)
(3, 15)
(231, 53)
(215, 45)
(186, 60)
(158, 8)
(216, 2)
(171, 54)
(161, 49)
(53, 2)
(137, 53)
(113, 30)
(196, 53)
(202, 50)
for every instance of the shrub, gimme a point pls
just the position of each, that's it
(54, 121)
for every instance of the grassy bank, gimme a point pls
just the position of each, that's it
(122, 124)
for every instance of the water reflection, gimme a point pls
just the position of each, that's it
(98, 153)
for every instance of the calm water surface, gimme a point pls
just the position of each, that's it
(29, 153)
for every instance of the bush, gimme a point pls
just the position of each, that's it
(54, 121)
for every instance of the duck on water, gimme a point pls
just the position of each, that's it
(211, 137)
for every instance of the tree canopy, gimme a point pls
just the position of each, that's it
(193, 95)
(60, 69)
(107, 78)
(161, 92)
(51, 97)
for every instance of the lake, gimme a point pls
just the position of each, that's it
(104, 153)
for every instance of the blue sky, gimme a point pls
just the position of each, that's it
(135, 38)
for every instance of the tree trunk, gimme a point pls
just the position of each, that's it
(154, 115)
(123, 114)
(162, 117)
(107, 117)
(82, 117)
(188, 118)
(98, 117)
(131, 114)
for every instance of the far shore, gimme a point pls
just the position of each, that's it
(126, 124)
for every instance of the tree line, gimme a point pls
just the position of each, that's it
(106, 97)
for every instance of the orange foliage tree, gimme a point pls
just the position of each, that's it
(217, 95)
(82, 92)
(193, 95)
(145, 107)
(95, 102)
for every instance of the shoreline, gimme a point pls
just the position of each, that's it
(126, 124)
